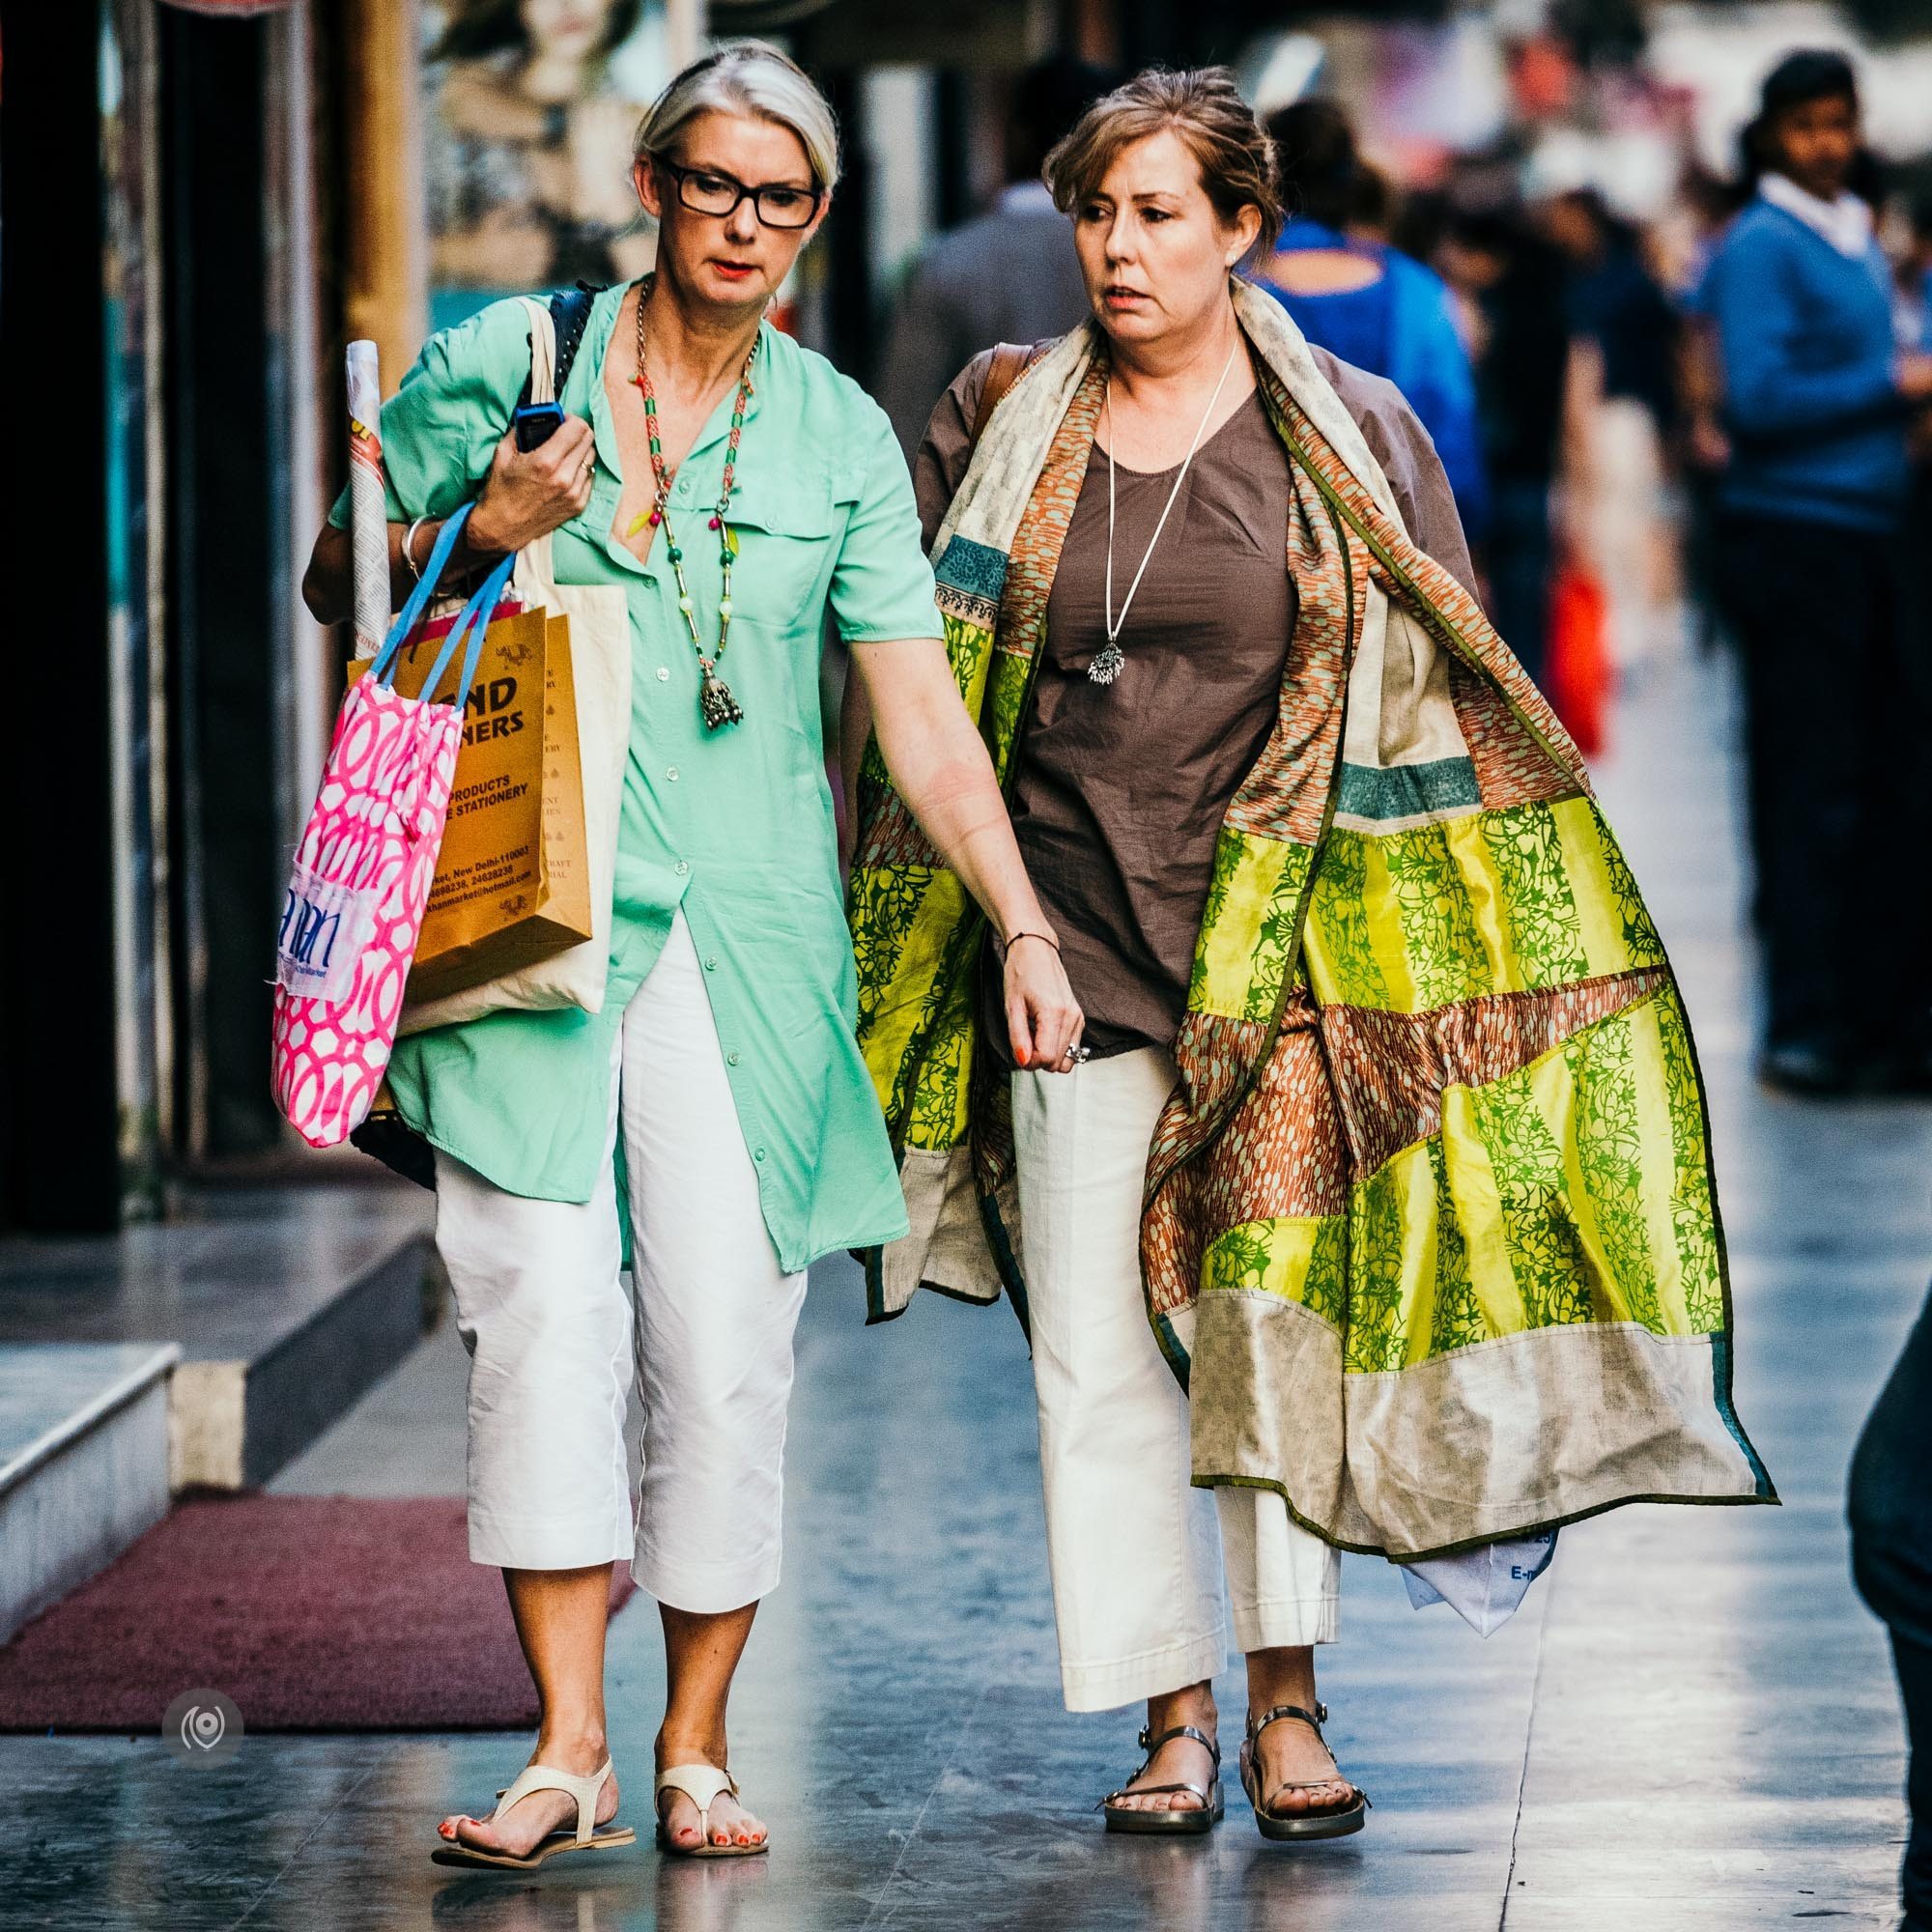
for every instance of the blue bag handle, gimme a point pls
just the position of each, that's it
(475, 619)
(382, 670)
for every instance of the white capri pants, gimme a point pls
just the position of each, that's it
(554, 1341)
(1136, 1551)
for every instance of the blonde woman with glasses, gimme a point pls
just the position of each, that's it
(739, 490)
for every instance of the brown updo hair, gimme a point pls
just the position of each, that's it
(1205, 109)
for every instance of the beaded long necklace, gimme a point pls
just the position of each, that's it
(715, 703)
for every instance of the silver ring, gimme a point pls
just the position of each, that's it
(1080, 1055)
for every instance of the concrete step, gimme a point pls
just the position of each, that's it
(285, 1304)
(83, 1463)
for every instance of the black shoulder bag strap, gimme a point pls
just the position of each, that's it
(569, 315)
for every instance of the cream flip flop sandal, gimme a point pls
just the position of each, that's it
(704, 1784)
(586, 1838)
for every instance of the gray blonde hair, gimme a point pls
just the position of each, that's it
(747, 77)
(1207, 110)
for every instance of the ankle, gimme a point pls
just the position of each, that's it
(1277, 1677)
(686, 1742)
(563, 1741)
(1194, 1706)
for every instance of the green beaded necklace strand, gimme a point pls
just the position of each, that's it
(715, 703)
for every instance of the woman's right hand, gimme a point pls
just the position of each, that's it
(1043, 1019)
(529, 493)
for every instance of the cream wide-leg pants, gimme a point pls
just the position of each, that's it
(1136, 1552)
(554, 1341)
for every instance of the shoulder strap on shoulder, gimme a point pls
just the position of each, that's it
(570, 311)
(1010, 361)
(569, 315)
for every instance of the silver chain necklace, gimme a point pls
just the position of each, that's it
(1108, 664)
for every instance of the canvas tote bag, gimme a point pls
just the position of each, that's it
(597, 620)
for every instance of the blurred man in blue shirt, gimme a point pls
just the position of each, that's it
(1817, 400)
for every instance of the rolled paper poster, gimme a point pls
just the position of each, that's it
(368, 508)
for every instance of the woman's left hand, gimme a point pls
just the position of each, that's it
(1043, 1019)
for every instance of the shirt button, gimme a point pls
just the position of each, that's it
(671, 774)
(731, 1059)
(664, 673)
(711, 965)
(682, 867)
(758, 1153)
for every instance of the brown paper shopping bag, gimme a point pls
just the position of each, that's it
(513, 880)
(599, 626)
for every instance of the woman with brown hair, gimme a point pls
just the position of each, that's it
(1378, 1213)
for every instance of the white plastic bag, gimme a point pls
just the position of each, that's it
(1485, 1587)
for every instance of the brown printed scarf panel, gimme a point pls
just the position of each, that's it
(1515, 741)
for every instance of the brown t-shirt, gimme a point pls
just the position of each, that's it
(1118, 790)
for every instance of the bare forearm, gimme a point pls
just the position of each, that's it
(961, 810)
(933, 750)
(946, 778)
(329, 588)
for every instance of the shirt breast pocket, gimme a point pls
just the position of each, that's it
(787, 531)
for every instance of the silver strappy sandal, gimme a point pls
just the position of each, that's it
(1166, 1821)
(1330, 1821)
(587, 1837)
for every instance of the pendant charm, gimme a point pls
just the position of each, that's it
(715, 702)
(1107, 664)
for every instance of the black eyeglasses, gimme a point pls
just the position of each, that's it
(778, 204)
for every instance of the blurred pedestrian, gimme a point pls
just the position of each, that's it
(1364, 979)
(1622, 416)
(741, 1167)
(1817, 398)
(1912, 276)
(1365, 301)
(1709, 203)
(1513, 280)
(1891, 1561)
(1010, 275)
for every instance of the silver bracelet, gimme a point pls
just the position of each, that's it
(409, 538)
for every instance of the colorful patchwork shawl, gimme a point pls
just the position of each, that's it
(1430, 1231)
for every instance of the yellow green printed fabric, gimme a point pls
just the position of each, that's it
(1429, 1233)
(1551, 1196)
(1532, 897)
(1249, 930)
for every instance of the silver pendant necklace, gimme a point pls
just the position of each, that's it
(1110, 660)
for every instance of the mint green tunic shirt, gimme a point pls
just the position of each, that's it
(736, 826)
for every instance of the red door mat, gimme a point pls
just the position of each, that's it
(313, 1613)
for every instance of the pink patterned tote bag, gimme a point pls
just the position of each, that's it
(362, 871)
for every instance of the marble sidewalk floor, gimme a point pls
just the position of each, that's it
(1691, 1725)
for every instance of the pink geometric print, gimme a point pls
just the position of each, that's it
(360, 885)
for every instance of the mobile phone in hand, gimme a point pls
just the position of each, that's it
(535, 423)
